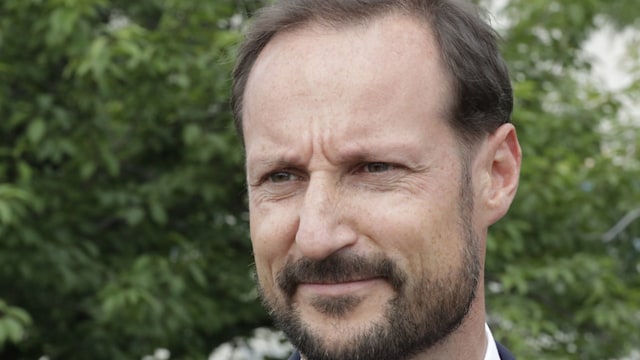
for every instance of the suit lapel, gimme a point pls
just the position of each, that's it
(504, 353)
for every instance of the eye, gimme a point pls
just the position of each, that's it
(377, 167)
(282, 176)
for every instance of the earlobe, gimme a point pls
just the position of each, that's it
(503, 165)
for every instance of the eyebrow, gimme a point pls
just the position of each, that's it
(261, 163)
(384, 152)
(350, 154)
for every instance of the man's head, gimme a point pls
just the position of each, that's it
(377, 157)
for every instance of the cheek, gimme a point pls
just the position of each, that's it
(272, 234)
(422, 233)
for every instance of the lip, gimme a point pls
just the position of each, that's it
(338, 289)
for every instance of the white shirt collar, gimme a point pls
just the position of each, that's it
(492, 349)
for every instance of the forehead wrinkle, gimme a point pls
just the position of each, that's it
(271, 158)
(286, 92)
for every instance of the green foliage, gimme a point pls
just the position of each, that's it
(13, 322)
(122, 218)
(122, 215)
(557, 289)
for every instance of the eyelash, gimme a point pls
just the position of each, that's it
(268, 177)
(387, 166)
(289, 174)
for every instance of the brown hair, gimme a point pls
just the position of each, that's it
(483, 98)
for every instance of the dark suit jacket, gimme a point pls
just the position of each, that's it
(502, 351)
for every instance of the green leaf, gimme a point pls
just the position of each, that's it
(36, 130)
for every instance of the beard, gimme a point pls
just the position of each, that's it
(423, 311)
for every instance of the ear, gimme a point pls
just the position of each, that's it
(499, 164)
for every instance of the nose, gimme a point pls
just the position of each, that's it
(323, 225)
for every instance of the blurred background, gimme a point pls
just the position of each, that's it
(123, 220)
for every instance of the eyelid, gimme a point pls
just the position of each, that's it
(362, 167)
(291, 176)
(291, 172)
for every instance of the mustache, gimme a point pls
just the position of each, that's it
(337, 268)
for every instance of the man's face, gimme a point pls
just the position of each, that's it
(361, 209)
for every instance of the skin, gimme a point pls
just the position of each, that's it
(348, 151)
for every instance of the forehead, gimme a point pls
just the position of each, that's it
(393, 46)
(338, 76)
